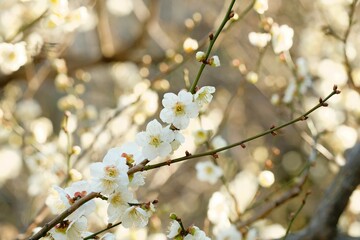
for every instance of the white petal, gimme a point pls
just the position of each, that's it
(153, 127)
(167, 115)
(169, 100)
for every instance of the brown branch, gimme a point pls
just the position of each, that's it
(268, 208)
(63, 215)
(323, 225)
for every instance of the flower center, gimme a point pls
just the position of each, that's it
(155, 141)
(179, 109)
(209, 170)
(129, 157)
(111, 171)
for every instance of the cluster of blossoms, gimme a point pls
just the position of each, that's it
(110, 177)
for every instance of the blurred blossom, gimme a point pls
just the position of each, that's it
(303, 74)
(273, 231)
(59, 7)
(190, 45)
(354, 229)
(275, 99)
(131, 234)
(70, 102)
(218, 211)
(252, 77)
(290, 92)
(291, 161)
(108, 236)
(345, 137)
(201, 136)
(120, 7)
(157, 236)
(208, 172)
(27, 109)
(354, 205)
(126, 75)
(11, 19)
(34, 43)
(244, 187)
(282, 38)
(350, 98)
(261, 6)
(228, 233)
(218, 142)
(259, 39)
(42, 128)
(266, 179)
(333, 72)
(77, 18)
(12, 56)
(11, 164)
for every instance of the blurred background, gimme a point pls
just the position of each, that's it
(109, 65)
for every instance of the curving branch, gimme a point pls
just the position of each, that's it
(323, 225)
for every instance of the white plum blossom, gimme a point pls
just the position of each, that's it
(228, 233)
(108, 236)
(282, 38)
(218, 142)
(259, 40)
(118, 203)
(208, 172)
(190, 45)
(219, 209)
(266, 178)
(201, 136)
(135, 216)
(204, 95)
(178, 140)
(214, 61)
(67, 230)
(261, 6)
(200, 56)
(65, 198)
(290, 92)
(155, 141)
(136, 180)
(196, 234)
(110, 174)
(12, 56)
(178, 109)
(174, 229)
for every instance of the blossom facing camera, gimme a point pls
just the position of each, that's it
(208, 172)
(214, 61)
(155, 141)
(204, 95)
(261, 6)
(178, 109)
(12, 56)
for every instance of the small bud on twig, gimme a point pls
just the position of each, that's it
(211, 36)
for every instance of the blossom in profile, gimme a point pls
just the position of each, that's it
(208, 172)
(214, 61)
(196, 234)
(62, 199)
(135, 216)
(69, 230)
(155, 141)
(178, 109)
(261, 6)
(259, 40)
(12, 56)
(204, 95)
(110, 174)
(282, 38)
(174, 229)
